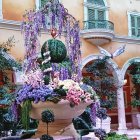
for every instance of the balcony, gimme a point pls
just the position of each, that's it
(98, 32)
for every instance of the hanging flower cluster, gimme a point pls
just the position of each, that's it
(33, 78)
(52, 16)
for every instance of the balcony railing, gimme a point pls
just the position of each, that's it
(98, 24)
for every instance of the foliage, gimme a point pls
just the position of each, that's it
(102, 82)
(135, 103)
(26, 107)
(114, 136)
(46, 137)
(101, 113)
(7, 121)
(100, 133)
(60, 91)
(135, 73)
(7, 63)
(83, 122)
(47, 116)
(57, 50)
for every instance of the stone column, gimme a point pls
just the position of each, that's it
(37, 3)
(121, 111)
(1, 15)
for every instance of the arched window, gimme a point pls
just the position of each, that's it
(95, 11)
(98, 11)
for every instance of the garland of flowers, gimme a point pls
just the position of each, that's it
(35, 20)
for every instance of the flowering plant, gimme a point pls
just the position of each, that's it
(36, 91)
(75, 94)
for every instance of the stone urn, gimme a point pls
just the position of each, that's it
(63, 117)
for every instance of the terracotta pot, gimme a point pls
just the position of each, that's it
(63, 117)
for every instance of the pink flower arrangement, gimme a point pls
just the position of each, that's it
(74, 93)
(75, 96)
(33, 78)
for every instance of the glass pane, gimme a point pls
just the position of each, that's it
(138, 22)
(133, 32)
(101, 15)
(138, 33)
(132, 21)
(91, 14)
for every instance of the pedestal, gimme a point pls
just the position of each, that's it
(63, 117)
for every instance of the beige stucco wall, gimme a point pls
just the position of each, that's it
(118, 13)
(14, 9)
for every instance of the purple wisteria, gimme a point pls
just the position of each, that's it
(52, 16)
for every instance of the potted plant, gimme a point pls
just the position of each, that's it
(53, 80)
(47, 117)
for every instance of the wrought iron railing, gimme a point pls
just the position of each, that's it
(98, 24)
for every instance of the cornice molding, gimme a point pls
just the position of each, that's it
(10, 24)
(15, 25)
(128, 39)
(91, 5)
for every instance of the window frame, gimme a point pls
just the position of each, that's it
(135, 15)
(95, 6)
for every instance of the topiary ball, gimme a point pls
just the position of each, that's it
(46, 137)
(57, 50)
(47, 116)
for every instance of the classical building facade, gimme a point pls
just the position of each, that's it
(106, 23)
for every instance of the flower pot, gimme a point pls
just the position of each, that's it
(63, 117)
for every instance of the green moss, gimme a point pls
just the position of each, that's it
(57, 50)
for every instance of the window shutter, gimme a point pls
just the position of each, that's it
(132, 21)
(133, 30)
(138, 24)
(91, 14)
(101, 15)
(91, 18)
(135, 25)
